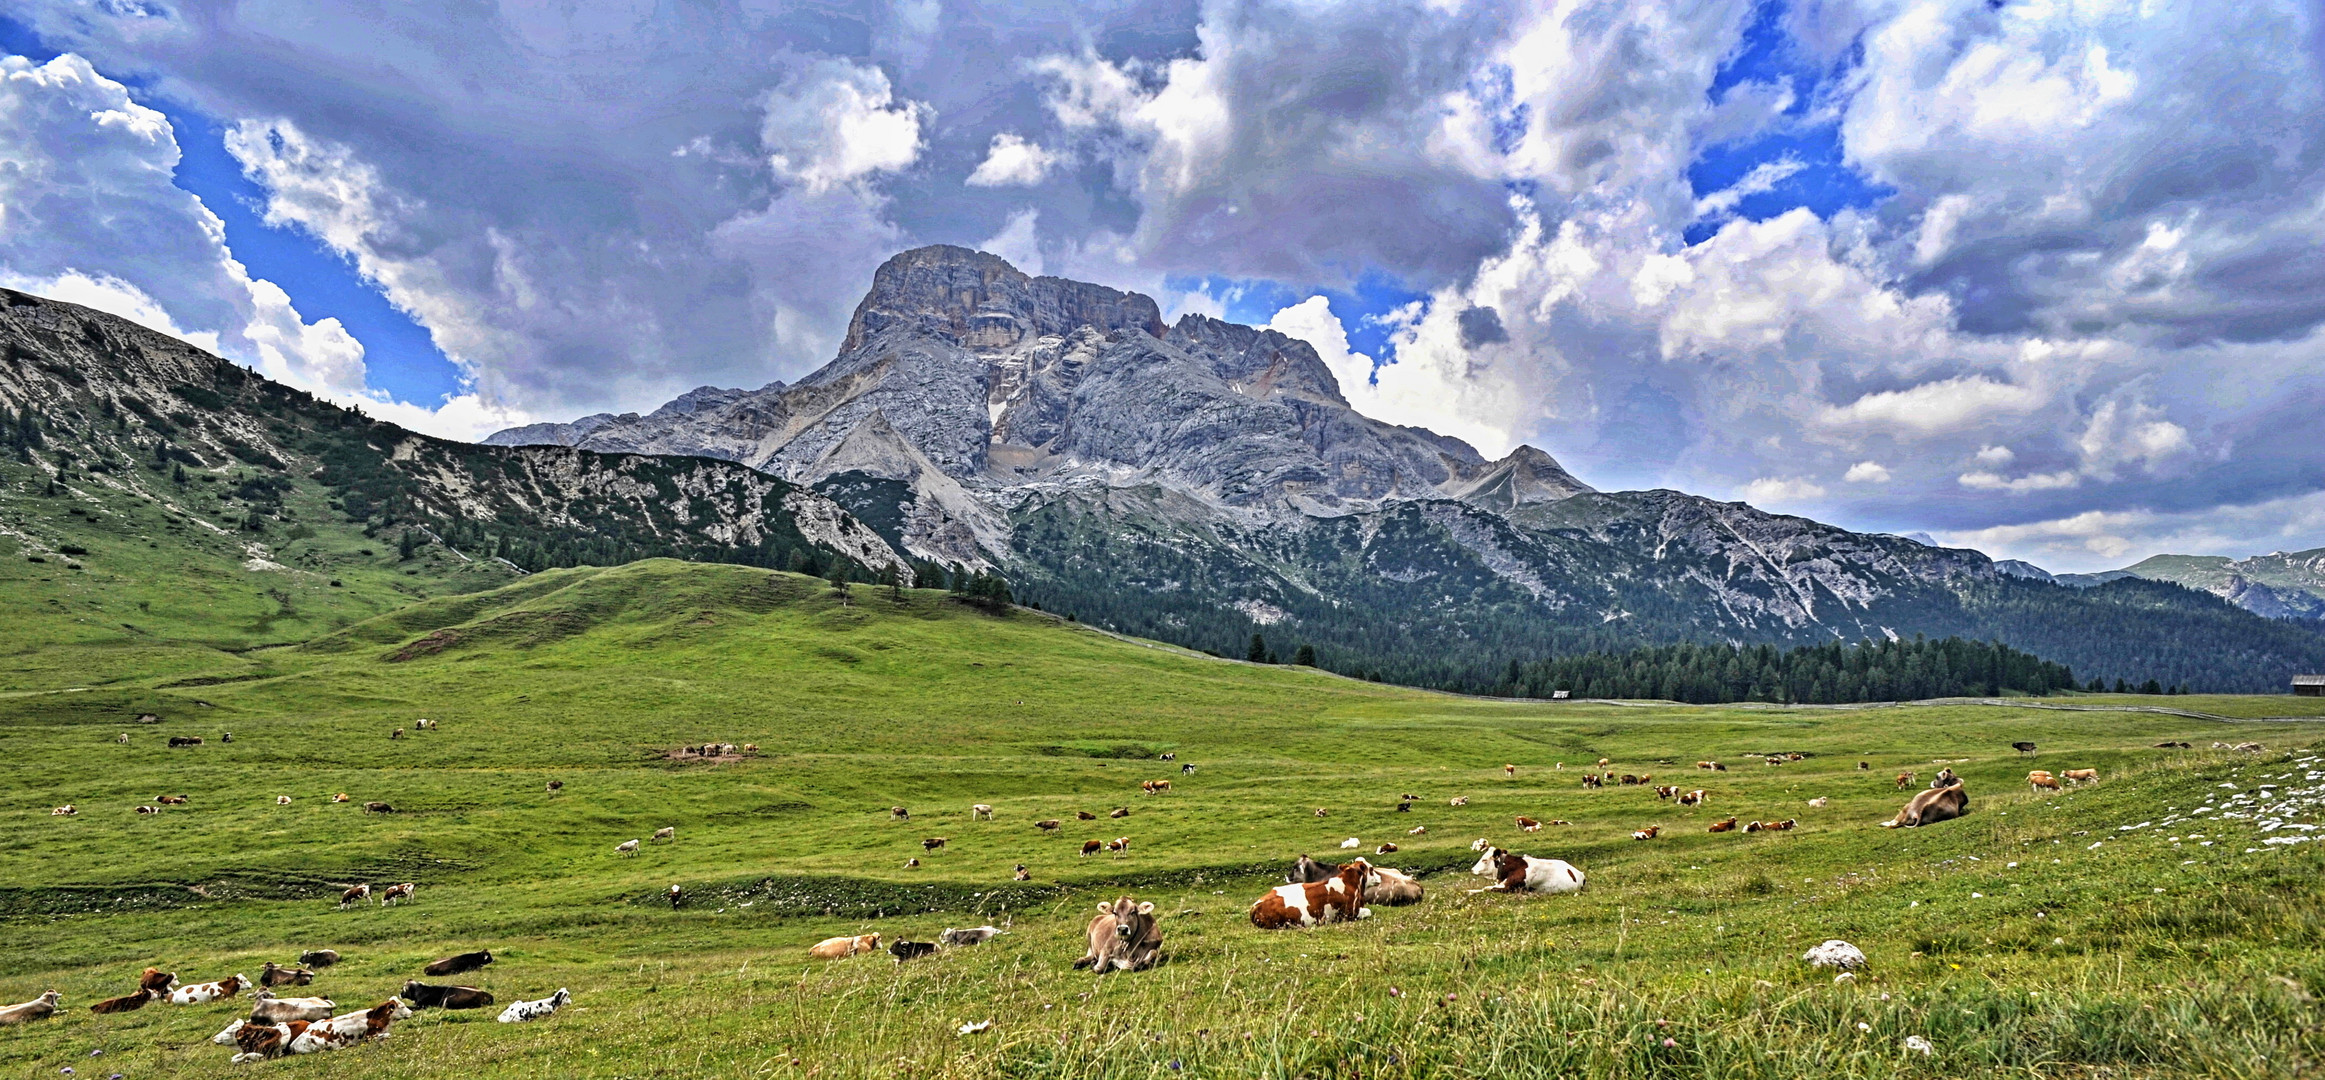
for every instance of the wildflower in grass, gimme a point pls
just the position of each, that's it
(1917, 1044)
(1669, 1042)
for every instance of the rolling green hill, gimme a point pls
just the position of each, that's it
(2145, 951)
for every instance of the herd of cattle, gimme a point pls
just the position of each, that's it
(278, 1026)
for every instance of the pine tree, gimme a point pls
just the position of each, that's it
(1305, 657)
(1257, 653)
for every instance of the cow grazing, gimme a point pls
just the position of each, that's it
(266, 1008)
(355, 894)
(1648, 833)
(1154, 787)
(898, 813)
(2080, 776)
(1510, 771)
(1172, 756)
(1864, 766)
(973, 935)
(341, 797)
(980, 812)
(1591, 780)
(1337, 899)
(626, 847)
(1460, 800)
(424, 996)
(1693, 798)
(350, 1028)
(1119, 812)
(1629, 780)
(1527, 824)
(204, 993)
(2023, 747)
(1945, 778)
(1819, 802)
(2039, 780)
(1084, 815)
(122, 738)
(1120, 845)
(1092, 847)
(378, 808)
(554, 786)
(932, 843)
(457, 963)
(319, 957)
(1124, 937)
(1723, 826)
(1904, 780)
(185, 740)
(274, 974)
(282, 800)
(1021, 873)
(1187, 768)
(389, 896)
(1666, 791)
(840, 948)
(1048, 826)
(1931, 806)
(666, 832)
(424, 724)
(911, 950)
(396, 734)
(1514, 873)
(39, 1008)
(67, 810)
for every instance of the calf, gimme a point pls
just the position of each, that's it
(1648, 833)
(203, 993)
(1904, 780)
(534, 1010)
(350, 1028)
(424, 996)
(1124, 937)
(2080, 776)
(911, 950)
(1514, 873)
(274, 974)
(1338, 899)
(1723, 826)
(2039, 780)
(454, 965)
(974, 935)
(269, 1009)
(1527, 824)
(389, 896)
(39, 1008)
(1931, 806)
(980, 812)
(840, 948)
(319, 957)
(354, 895)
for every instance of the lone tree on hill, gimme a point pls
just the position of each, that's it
(839, 579)
(1257, 654)
(1306, 656)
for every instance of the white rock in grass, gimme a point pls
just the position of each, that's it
(1352, 842)
(1917, 1044)
(1835, 953)
(972, 1029)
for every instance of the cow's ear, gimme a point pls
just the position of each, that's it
(1105, 908)
(1146, 908)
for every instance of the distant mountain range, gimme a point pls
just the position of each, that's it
(2278, 585)
(1203, 481)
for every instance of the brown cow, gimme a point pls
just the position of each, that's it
(423, 996)
(1048, 826)
(842, 947)
(1092, 847)
(1124, 937)
(1510, 771)
(2040, 779)
(1723, 826)
(2080, 776)
(1904, 780)
(455, 964)
(1337, 899)
(1527, 824)
(1931, 806)
(1153, 786)
(274, 974)
(1647, 833)
(1119, 812)
(1084, 815)
(934, 842)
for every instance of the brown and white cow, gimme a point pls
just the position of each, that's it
(389, 896)
(1124, 937)
(980, 812)
(203, 993)
(1723, 826)
(2080, 776)
(351, 1028)
(1120, 845)
(260, 1040)
(1694, 798)
(1648, 833)
(1510, 771)
(1931, 806)
(1048, 826)
(39, 1008)
(1337, 899)
(1904, 780)
(1666, 791)
(355, 894)
(269, 1009)
(1153, 787)
(67, 810)
(1119, 812)
(1527, 824)
(840, 948)
(1514, 873)
(1946, 777)
(2040, 779)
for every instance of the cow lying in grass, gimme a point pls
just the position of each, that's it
(1931, 806)
(269, 1009)
(454, 965)
(1396, 888)
(350, 1028)
(1339, 898)
(150, 987)
(424, 996)
(202, 993)
(1514, 873)
(39, 1008)
(842, 947)
(534, 1010)
(1124, 937)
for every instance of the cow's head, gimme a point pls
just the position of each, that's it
(227, 1037)
(1359, 875)
(1131, 918)
(1489, 862)
(1307, 870)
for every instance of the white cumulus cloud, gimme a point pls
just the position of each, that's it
(1013, 160)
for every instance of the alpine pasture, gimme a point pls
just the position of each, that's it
(2140, 925)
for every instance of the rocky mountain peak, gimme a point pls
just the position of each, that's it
(1261, 363)
(980, 302)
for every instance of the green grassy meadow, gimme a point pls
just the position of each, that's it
(2038, 936)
